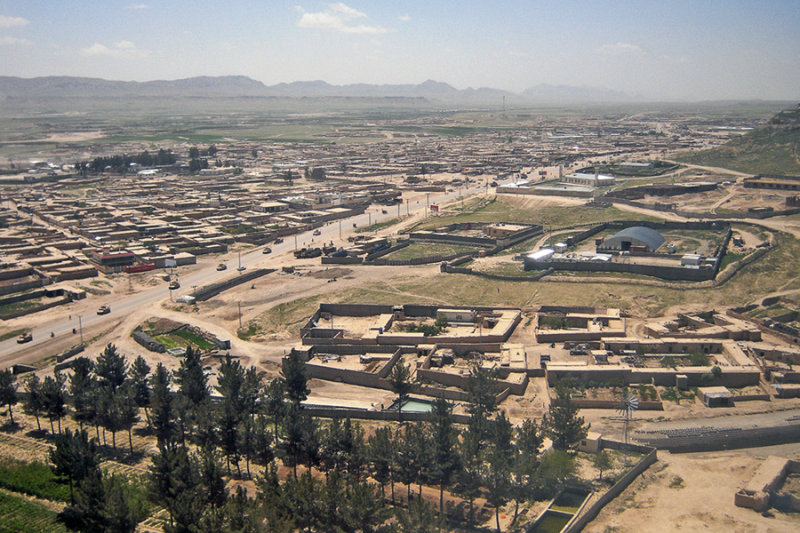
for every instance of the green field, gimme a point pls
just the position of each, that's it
(426, 249)
(18, 515)
(502, 209)
(20, 306)
(34, 479)
(183, 338)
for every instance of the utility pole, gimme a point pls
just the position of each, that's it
(80, 325)
(295, 243)
(406, 206)
(340, 231)
(240, 315)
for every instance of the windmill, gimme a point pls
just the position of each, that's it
(627, 405)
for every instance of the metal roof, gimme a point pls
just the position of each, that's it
(648, 236)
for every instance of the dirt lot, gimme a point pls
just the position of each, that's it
(694, 492)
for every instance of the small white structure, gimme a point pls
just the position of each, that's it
(692, 260)
(560, 247)
(591, 443)
(540, 255)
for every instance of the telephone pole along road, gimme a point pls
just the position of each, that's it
(122, 305)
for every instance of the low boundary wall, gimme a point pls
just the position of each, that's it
(590, 513)
(209, 291)
(728, 439)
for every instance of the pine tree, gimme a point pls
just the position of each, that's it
(445, 442)
(500, 457)
(34, 403)
(482, 389)
(127, 409)
(54, 398)
(82, 385)
(231, 411)
(111, 368)
(294, 377)
(73, 457)
(192, 387)
(138, 374)
(300, 444)
(380, 451)
(562, 423)
(470, 475)
(400, 383)
(161, 405)
(8, 392)
(122, 513)
(175, 483)
(526, 462)
(419, 518)
(274, 405)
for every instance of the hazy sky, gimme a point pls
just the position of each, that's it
(695, 50)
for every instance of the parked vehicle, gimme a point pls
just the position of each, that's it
(266, 251)
(317, 232)
(173, 285)
(25, 337)
(103, 310)
(278, 240)
(221, 267)
(306, 253)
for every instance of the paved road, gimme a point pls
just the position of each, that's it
(59, 325)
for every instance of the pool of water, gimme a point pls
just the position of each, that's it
(569, 501)
(417, 406)
(551, 522)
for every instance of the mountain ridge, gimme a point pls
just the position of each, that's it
(242, 86)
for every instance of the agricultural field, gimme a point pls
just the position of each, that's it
(20, 515)
(416, 250)
(510, 208)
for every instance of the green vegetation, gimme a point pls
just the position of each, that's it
(503, 209)
(699, 359)
(553, 322)
(20, 306)
(34, 479)
(183, 338)
(771, 149)
(674, 395)
(427, 329)
(416, 250)
(647, 392)
(193, 338)
(378, 226)
(13, 333)
(728, 259)
(18, 515)
(239, 229)
(655, 169)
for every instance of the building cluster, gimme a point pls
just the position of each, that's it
(636, 247)
(583, 348)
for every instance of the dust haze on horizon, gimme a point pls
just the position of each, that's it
(679, 50)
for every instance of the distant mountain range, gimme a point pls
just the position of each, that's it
(242, 86)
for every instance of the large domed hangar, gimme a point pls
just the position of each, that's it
(633, 239)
